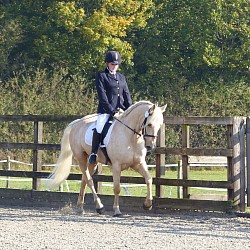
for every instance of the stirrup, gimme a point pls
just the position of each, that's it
(92, 158)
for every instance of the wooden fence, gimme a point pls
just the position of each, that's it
(234, 153)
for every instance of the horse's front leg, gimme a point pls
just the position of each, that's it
(143, 170)
(117, 188)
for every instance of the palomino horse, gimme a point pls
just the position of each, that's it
(134, 132)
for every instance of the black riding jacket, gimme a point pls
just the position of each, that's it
(113, 92)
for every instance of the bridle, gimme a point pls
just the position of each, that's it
(148, 113)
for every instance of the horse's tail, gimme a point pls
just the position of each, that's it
(63, 165)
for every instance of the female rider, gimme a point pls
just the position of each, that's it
(113, 96)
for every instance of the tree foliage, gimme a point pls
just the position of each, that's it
(75, 35)
(190, 45)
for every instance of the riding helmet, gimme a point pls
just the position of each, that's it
(113, 57)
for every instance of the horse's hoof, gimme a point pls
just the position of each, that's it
(146, 207)
(100, 210)
(80, 211)
(117, 215)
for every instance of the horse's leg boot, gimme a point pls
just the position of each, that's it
(95, 145)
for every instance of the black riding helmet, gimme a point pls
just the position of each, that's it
(113, 57)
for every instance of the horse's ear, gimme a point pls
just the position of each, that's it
(154, 106)
(163, 108)
(152, 109)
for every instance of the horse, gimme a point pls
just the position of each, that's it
(134, 133)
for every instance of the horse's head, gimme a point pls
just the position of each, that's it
(146, 121)
(153, 119)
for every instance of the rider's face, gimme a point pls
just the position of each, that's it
(113, 67)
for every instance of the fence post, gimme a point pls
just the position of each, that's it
(98, 185)
(230, 192)
(248, 158)
(60, 189)
(160, 161)
(237, 173)
(8, 168)
(179, 177)
(37, 154)
(185, 165)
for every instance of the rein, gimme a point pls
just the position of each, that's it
(135, 132)
(144, 133)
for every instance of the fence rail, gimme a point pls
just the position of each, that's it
(193, 161)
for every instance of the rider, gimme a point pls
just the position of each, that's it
(113, 96)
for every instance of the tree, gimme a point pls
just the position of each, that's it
(75, 34)
(187, 43)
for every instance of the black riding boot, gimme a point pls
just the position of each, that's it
(95, 145)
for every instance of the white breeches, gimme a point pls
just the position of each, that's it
(101, 121)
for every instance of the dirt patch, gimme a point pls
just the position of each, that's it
(33, 228)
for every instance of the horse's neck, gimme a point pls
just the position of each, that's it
(135, 118)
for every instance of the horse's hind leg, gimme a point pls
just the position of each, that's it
(87, 172)
(81, 196)
(80, 201)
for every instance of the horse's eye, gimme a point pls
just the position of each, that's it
(149, 125)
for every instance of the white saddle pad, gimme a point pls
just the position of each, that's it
(89, 134)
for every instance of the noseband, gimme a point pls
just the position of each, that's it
(144, 133)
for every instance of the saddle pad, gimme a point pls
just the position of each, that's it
(89, 134)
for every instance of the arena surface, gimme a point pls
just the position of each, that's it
(34, 228)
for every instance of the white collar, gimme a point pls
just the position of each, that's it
(111, 72)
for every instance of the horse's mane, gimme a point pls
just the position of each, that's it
(132, 107)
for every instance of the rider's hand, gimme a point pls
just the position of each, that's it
(114, 112)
